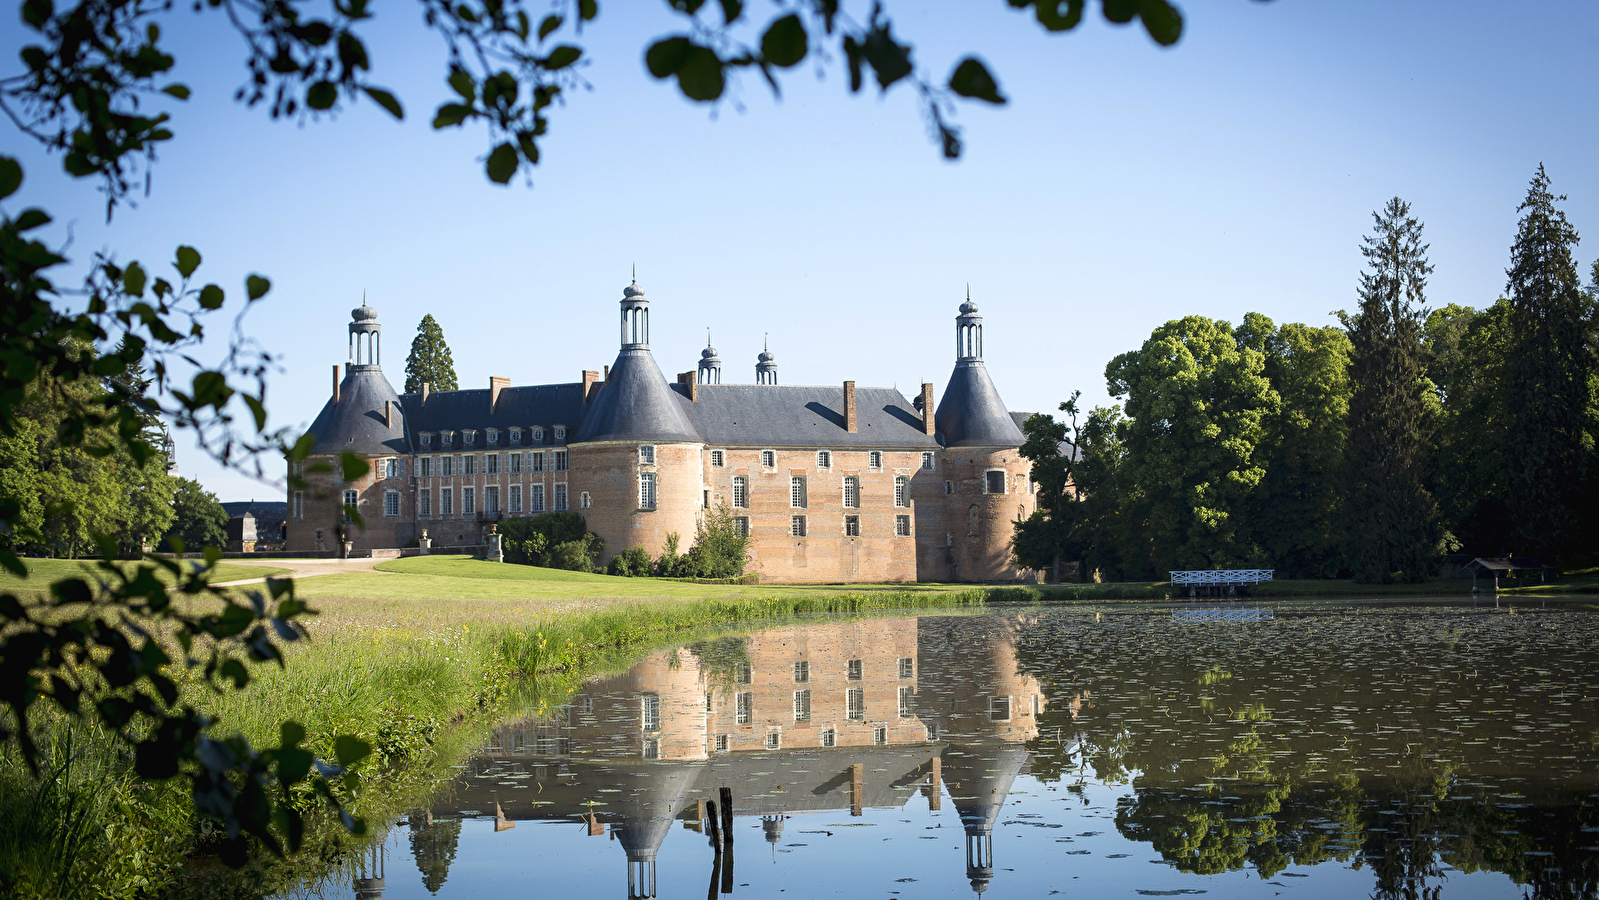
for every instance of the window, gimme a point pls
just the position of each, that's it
(742, 523)
(650, 712)
(424, 502)
(927, 459)
(389, 469)
(391, 503)
(516, 435)
(560, 461)
(424, 467)
(796, 526)
(538, 434)
(299, 504)
(949, 487)
(902, 491)
(880, 735)
(741, 492)
(535, 498)
(513, 463)
(907, 667)
(560, 432)
(494, 436)
(855, 704)
(427, 440)
(874, 459)
(583, 500)
(994, 481)
(746, 708)
(468, 465)
(746, 675)
(491, 500)
(824, 459)
(796, 491)
(646, 454)
(446, 466)
(802, 706)
(445, 437)
(854, 669)
(768, 458)
(902, 526)
(560, 497)
(852, 492)
(829, 738)
(652, 748)
(646, 490)
(907, 702)
(297, 468)
(721, 743)
(852, 526)
(350, 499)
(802, 670)
(536, 461)
(999, 709)
(932, 733)
(446, 502)
(491, 464)
(467, 437)
(774, 740)
(516, 499)
(1035, 705)
(468, 506)
(718, 458)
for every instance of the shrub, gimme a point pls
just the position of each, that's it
(535, 541)
(634, 561)
(581, 555)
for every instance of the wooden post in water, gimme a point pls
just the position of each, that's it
(716, 874)
(711, 826)
(935, 801)
(726, 795)
(857, 789)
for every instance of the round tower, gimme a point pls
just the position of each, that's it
(765, 366)
(637, 450)
(987, 478)
(710, 369)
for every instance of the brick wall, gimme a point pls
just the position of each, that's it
(610, 472)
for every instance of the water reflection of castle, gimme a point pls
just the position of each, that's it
(843, 716)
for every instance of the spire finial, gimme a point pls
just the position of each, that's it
(766, 340)
(635, 276)
(968, 290)
(707, 335)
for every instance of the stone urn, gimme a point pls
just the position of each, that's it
(425, 542)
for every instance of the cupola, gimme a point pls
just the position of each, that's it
(710, 369)
(765, 366)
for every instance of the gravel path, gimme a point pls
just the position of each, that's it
(308, 568)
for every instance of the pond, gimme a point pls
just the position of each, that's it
(1328, 750)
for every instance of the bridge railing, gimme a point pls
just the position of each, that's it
(1207, 577)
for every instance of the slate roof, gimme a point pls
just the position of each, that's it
(636, 405)
(544, 405)
(356, 423)
(971, 414)
(787, 415)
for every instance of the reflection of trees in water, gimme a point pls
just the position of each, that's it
(433, 843)
(1366, 740)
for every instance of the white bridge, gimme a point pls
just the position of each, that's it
(1221, 577)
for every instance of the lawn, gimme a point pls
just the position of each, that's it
(43, 571)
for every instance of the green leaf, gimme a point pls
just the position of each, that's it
(180, 91)
(1058, 15)
(451, 114)
(352, 466)
(502, 163)
(386, 100)
(211, 297)
(667, 55)
(10, 176)
(732, 11)
(785, 42)
(133, 279)
(462, 83)
(548, 26)
(349, 750)
(188, 260)
(256, 287)
(588, 10)
(32, 218)
(257, 411)
(322, 95)
(701, 77)
(972, 79)
(1163, 21)
(562, 57)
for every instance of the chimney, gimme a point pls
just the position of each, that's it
(496, 385)
(388, 414)
(591, 382)
(851, 422)
(691, 381)
(928, 426)
(335, 382)
(607, 375)
(426, 389)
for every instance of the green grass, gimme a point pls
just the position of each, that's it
(43, 571)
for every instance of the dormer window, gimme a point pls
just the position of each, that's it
(494, 436)
(467, 436)
(769, 458)
(446, 437)
(516, 435)
(824, 459)
(427, 440)
(874, 459)
(538, 435)
(560, 432)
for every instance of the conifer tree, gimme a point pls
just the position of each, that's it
(1549, 362)
(430, 361)
(1392, 526)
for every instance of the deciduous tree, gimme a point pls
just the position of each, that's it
(200, 519)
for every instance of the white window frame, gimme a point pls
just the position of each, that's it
(516, 435)
(742, 524)
(467, 437)
(646, 490)
(560, 432)
(852, 526)
(299, 504)
(535, 498)
(802, 705)
(854, 670)
(902, 492)
(424, 467)
(852, 492)
(874, 459)
(722, 743)
(583, 501)
(427, 439)
(829, 737)
(802, 671)
(491, 464)
(494, 435)
(902, 526)
(824, 459)
(536, 461)
(468, 466)
(446, 501)
(797, 492)
(468, 501)
(718, 458)
(491, 500)
(988, 475)
(927, 459)
(649, 712)
(855, 704)
(445, 438)
(768, 459)
(774, 739)
(515, 498)
(391, 504)
(796, 526)
(513, 463)
(907, 702)
(744, 708)
(348, 499)
(907, 667)
(646, 454)
(424, 503)
(741, 492)
(879, 734)
(560, 463)
(561, 497)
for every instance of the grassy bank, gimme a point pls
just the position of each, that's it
(43, 571)
(418, 677)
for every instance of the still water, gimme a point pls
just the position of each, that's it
(1401, 751)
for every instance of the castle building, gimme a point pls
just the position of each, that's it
(832, 484)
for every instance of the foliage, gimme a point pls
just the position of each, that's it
(556, 540)
(201, 521)
(634, 561)
(1393, 522)
(1550, 362)
(430, 362)
(1470, 470)
(719, 550)
(1059, 527)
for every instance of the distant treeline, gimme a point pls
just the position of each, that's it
(1368, 449)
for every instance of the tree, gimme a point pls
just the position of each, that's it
(430, 362)
(1470, 472)
(1393, 527)
(1550, 359)
(1061, 527)
(1197, 402)
(200, 520)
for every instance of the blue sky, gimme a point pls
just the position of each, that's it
(1125, 185)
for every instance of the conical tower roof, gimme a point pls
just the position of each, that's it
(358, 422)
(971, 414)
(636, 405)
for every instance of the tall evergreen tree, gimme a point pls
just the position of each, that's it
(1393, 521)
(429, 362)
(1549, 364)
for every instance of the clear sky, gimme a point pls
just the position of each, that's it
(1125, 185)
